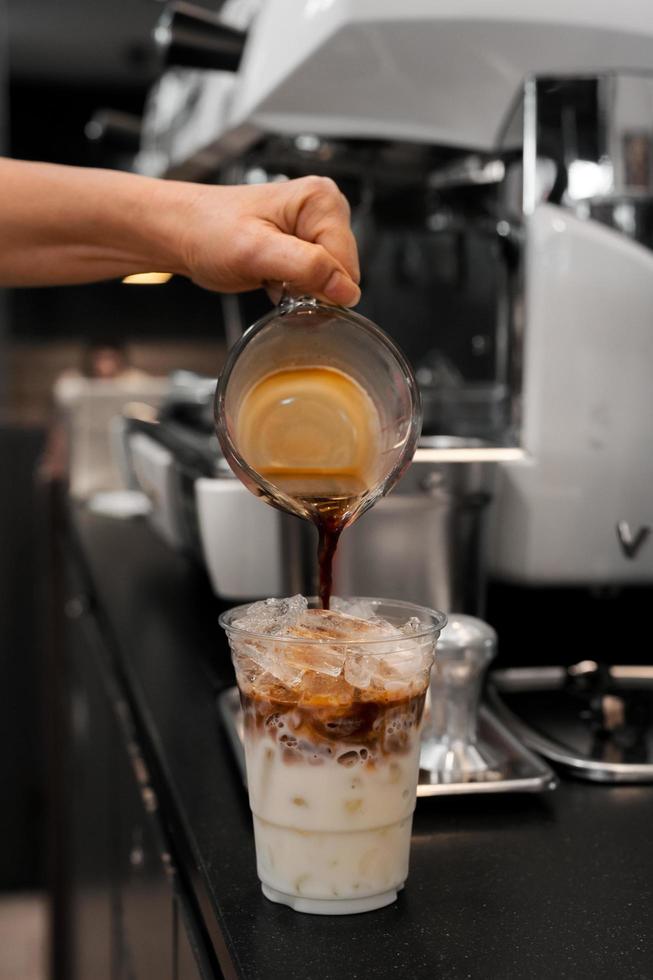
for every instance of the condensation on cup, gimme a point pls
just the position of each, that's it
(332, 703)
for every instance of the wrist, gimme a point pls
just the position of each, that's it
(136, 222)
(166, 212)
(146, 221)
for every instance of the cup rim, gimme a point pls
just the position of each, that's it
(439, 622)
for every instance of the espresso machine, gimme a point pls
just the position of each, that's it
(498, 159)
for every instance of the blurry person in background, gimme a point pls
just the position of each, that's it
(84, 401)
(102, 359)
(104, 362)
(106, 359)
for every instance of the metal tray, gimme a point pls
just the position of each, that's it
(544, 711)
(523, 772)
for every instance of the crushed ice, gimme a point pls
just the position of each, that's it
(394, 657)
(358, 608)
(412, 625)
(273, 616)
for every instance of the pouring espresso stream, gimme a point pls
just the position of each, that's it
(318, 412)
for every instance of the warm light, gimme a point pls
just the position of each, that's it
(148, 278)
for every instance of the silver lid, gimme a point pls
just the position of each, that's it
(464, 632)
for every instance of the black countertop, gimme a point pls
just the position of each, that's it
(552, 886)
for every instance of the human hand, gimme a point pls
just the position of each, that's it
(296, 232)
(66, 225)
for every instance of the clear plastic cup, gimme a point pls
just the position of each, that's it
(332, 738)
(317, 403)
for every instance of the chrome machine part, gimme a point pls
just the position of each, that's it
(451, 748)
(593, 721)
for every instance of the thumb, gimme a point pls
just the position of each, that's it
(305, 268)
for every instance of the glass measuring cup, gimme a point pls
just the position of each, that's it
(318, 412)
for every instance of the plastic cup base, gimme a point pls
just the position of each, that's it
(330, 906)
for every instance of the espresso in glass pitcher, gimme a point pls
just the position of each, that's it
(318, 412)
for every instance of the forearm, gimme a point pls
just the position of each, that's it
(63, 225)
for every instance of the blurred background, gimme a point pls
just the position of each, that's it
(517, 361)
(62, 61)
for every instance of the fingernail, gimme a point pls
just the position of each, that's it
(342, 290)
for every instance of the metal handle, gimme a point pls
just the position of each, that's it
(193, 37)
(118, 129)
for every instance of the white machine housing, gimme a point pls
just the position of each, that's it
(432, 71)
(447, 72)
(436, 71)
(587, 472)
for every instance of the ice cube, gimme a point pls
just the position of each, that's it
(358, 670)
(392, 666)
(412, 625)
(404, 664)
(278, 650)
(273, 616)
(331, 624)
(319, 687)
(270, 658)
(322, 658)
(359, 608)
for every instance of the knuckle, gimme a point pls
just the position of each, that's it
(322, 186)
(246, 247)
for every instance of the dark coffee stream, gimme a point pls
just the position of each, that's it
(330, 514)
(328, 542)
(330, 511)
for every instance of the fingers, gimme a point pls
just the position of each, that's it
(297, 232)
(274, 291)
(341, 290)
(305, 268)
(322, 217)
